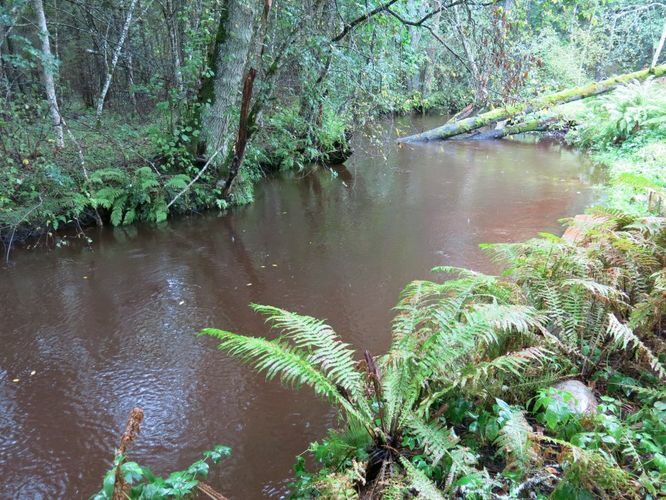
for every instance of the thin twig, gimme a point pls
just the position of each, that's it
(196, 178)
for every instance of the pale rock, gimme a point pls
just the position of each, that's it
(583, 400)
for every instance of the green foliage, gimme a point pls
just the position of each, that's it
(632, 110)
(451, 400)
(514, 434)
(128, 197)
(553, 410)
(626, 131)
(143, 484)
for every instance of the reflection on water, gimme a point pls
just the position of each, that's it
(111, 326)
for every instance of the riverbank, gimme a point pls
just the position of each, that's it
(119, 173)
(124, 170)
(117, 318)
(504, 427)
(626, 133)
(469, 399)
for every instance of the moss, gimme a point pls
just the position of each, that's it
(206, 94)
(564, 96)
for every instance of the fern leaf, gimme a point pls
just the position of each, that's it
(437, 440)
(624, 337)
(514, 436)
(598, 290)
(425, 487)
(290, 364)
(325, 348)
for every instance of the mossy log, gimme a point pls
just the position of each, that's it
(530, 124)
(466, 125)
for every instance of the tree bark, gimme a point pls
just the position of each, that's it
(483, 120)
(174, 41)
(414, 82)
(480, 89)
(130, 77)
(243, 135)
(114, 60)
(530, 124)
(232, 50)
(48, 70)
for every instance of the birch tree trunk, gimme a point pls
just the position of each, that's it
(130, 77)
(232, 50)
(660, 46)
(414, 40)
(172, 26)
(480, 90)
(428, 67)
(48, 70)
(4, 81)
(114, 60)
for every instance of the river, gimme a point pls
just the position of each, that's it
(91, 330)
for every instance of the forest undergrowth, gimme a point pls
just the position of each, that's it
(466, 404)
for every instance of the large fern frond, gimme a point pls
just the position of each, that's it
(325, 349)
(292, 365)
(481, 376)
(624, 337)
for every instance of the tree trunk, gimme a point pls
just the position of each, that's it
(480, 87)
(130, 77)
(660, 46)
(232, 49)
(4, 81)
(483, 120)
(48, 69)
(114, 60)
(243, 132)
(172, 27)
(415, 32)
(530, 124)
(428, 67)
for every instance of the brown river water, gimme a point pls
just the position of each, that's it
(111, 325)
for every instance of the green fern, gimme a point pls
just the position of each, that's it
(437, 440)
(568, 310)
(291, 364)
(514, 437)
(420, 482)
(624, 338)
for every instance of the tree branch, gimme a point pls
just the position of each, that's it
(420, 24)
(360, 20)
